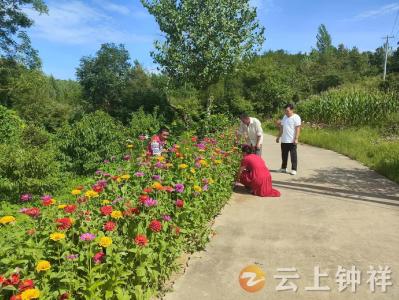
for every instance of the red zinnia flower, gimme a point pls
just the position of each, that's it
(155, 226)
(147, 190)
(16, 297)
(106, 210)
(2, 280)
(194, 139)
(64, 223)
(98, 257)
(33, 212)
(98, 188)
(179, 203)
(70, 208)
(143, 198)
(14, 279)
(141, 240)
(26, 284)
(47, 202)
(109, 226)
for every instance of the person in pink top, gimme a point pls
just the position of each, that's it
(255, 176)
(157, 142)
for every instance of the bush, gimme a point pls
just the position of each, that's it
(348, 106)
(142, 123)
(29, 164)
(10, 125)
(212, 124)
(84, 144)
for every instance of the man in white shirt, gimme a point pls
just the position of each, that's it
(251, 129)
(290, 128)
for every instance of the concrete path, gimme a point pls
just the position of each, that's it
(335, 212)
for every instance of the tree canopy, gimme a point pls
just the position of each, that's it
(204, 39)
(14, 42)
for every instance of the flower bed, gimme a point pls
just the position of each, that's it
(119, 237)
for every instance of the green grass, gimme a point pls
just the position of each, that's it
(364, 144)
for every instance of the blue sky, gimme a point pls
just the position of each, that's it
(75, 28)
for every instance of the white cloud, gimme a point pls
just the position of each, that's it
(74, 22)
(378, 12)
(112, 7)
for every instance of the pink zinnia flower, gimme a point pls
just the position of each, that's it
(87, 236)
(26, 197)
(149, 202)
(167, 218)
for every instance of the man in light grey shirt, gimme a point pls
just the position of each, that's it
(251, 130)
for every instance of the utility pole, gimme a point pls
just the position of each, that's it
(386, 53)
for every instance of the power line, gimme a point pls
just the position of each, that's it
(394, 23)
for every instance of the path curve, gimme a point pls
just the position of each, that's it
(334, 212)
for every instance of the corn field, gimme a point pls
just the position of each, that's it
(350, 106)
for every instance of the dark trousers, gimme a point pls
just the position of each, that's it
(289, 148)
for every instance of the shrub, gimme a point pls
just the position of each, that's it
(10, 125)
(84, 144)
(212, 124)
(142, 123)
(29, 164)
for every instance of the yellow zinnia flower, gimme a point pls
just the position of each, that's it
(125, 177)
(116, 214)
(7, 219)
(105, 241)
(160, 158)
(183, 166)
(105, 202)
(57, 236)
(30, 294)
(91, 194)
(197, 188)
(130, 146)
(192, 170)
(76, 192)
(217, 161)
(43, 265)
(61, 206)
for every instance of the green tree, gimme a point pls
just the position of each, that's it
(33, 97)
(14, 42)
(105, 77)
(324, 41)
(143, 91)
(204, 39)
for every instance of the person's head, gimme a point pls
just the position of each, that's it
(246, 149)
(289, 109)
(245, 119)
(163, 133)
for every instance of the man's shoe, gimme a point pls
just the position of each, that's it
(282, 171)
(293, 172)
